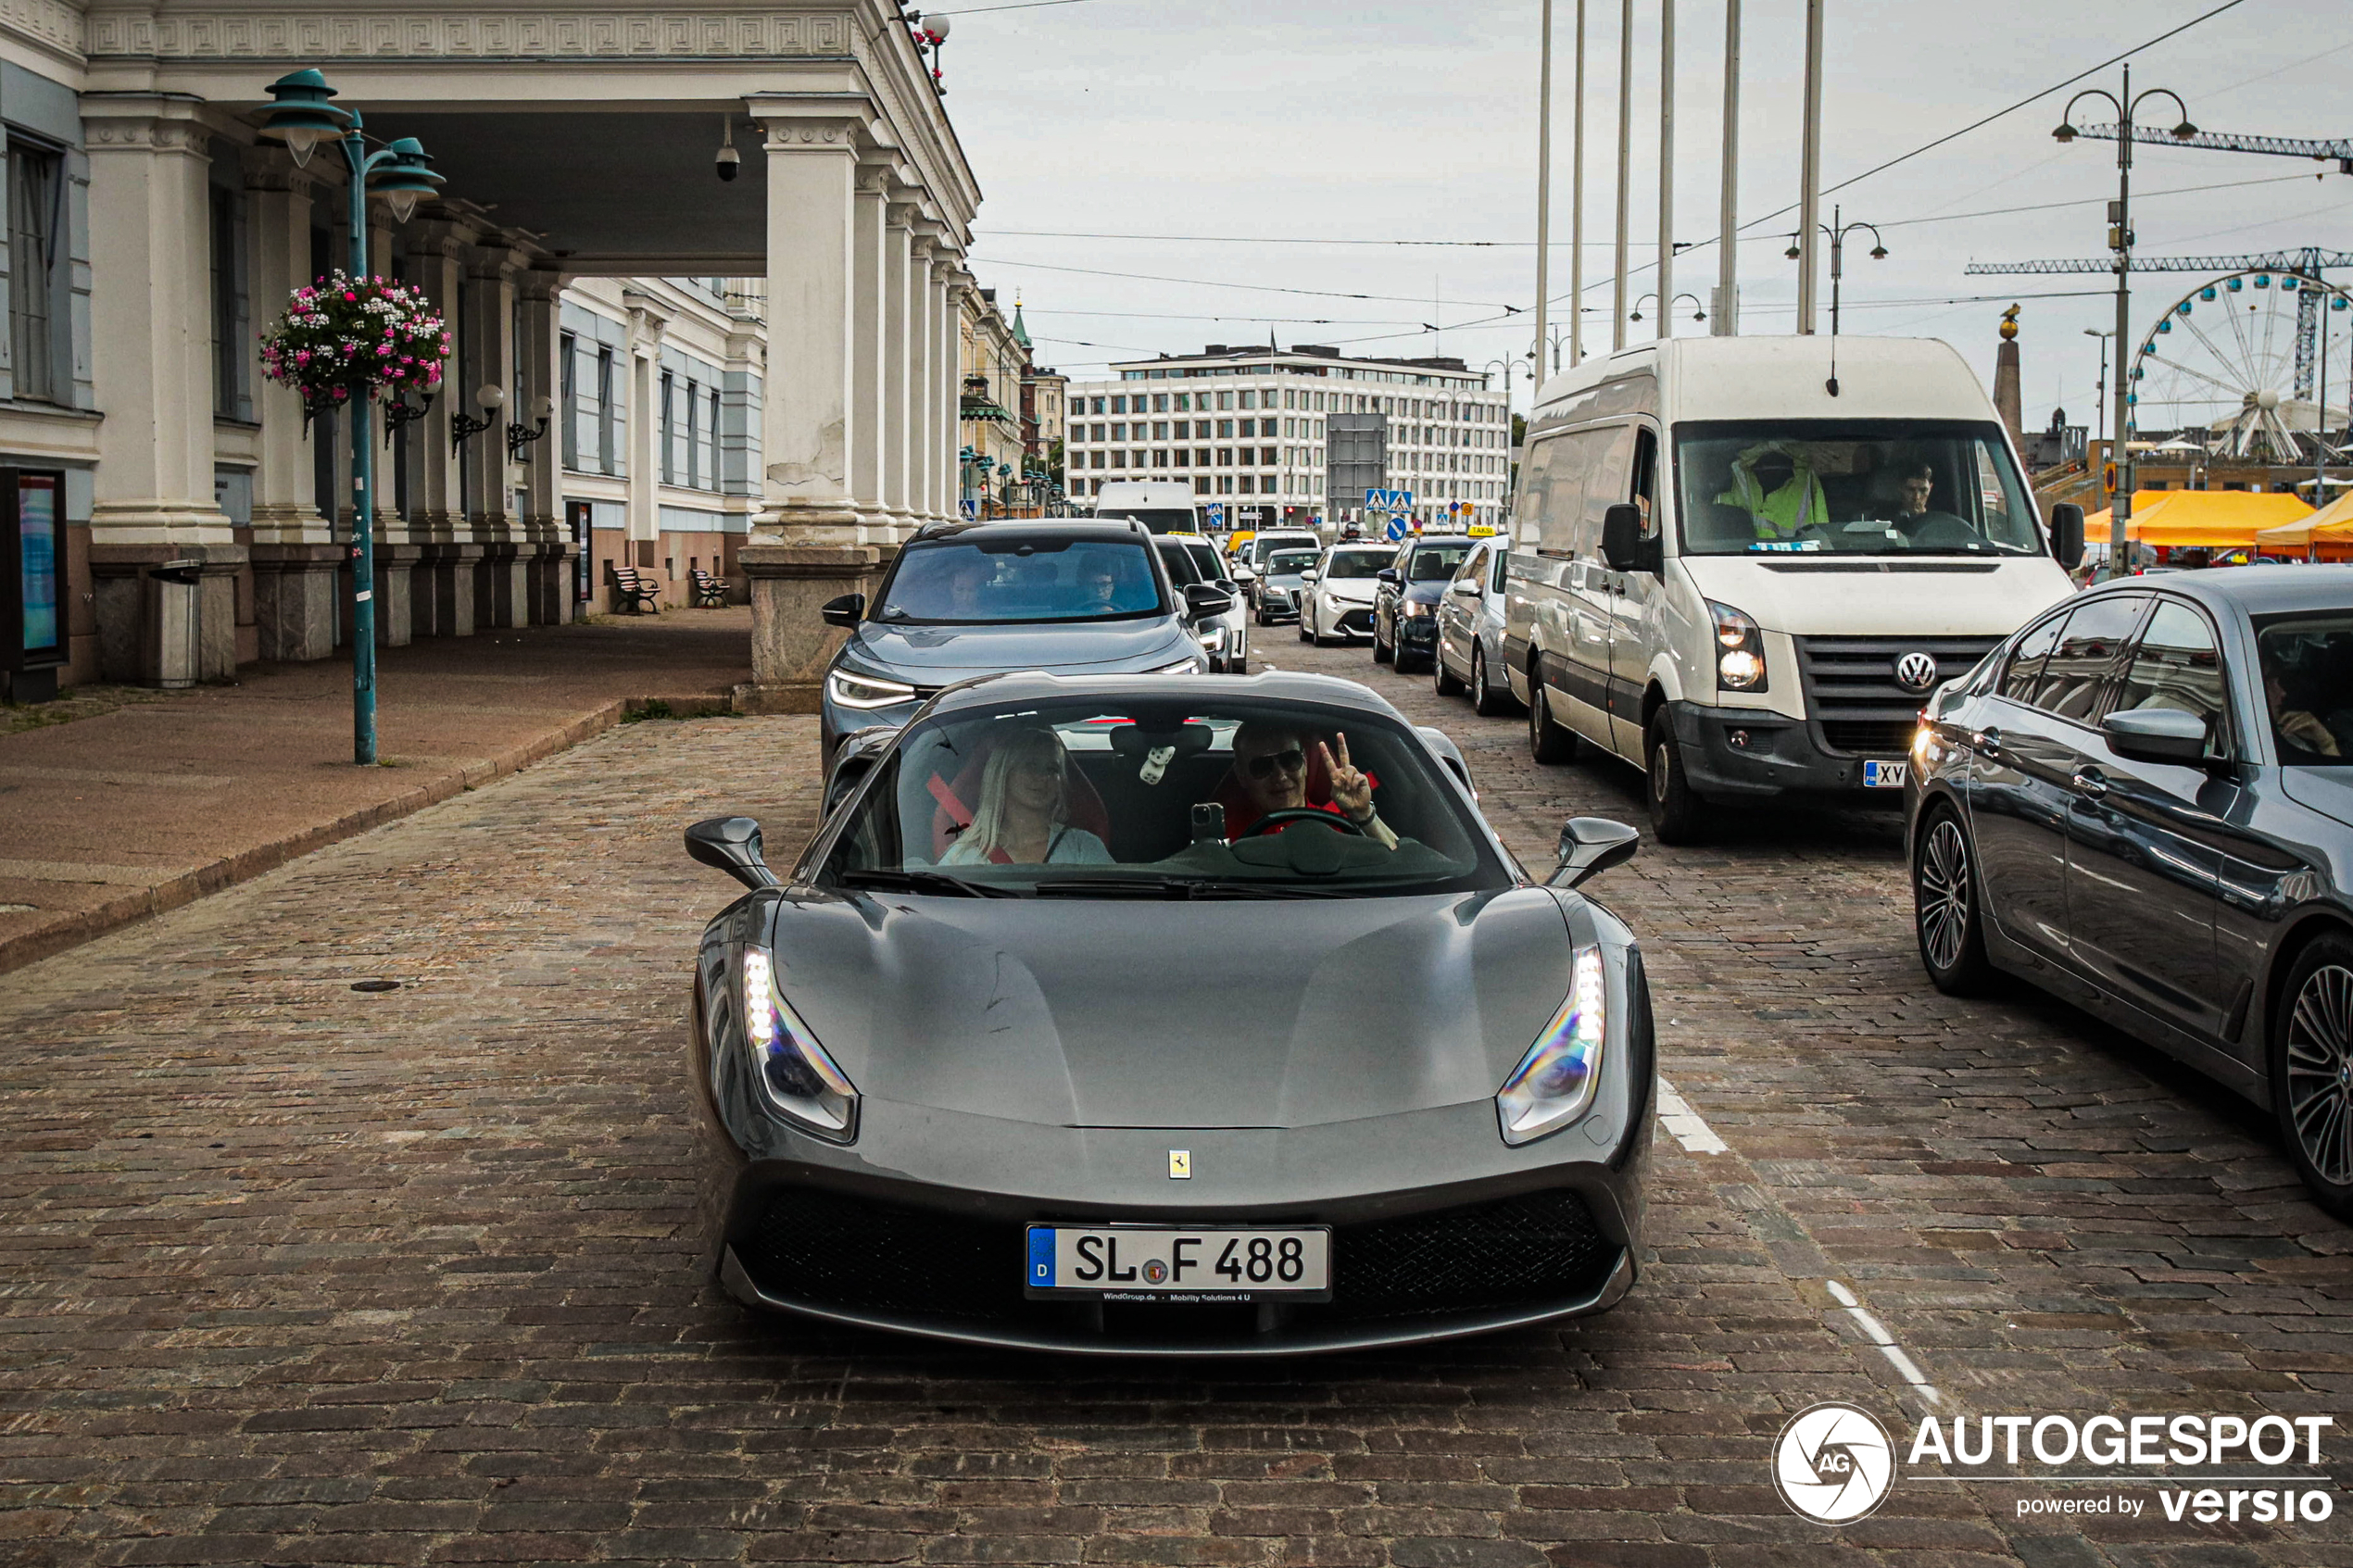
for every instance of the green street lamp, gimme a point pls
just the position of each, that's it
(304, 115)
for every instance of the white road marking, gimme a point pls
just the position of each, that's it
(1906, 1368)
(1690, 1131)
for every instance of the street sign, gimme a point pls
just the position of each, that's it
(1389, 500)
(1216, 513)
(966, 508)
(1396, 526)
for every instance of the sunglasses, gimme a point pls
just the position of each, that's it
(1292, 761)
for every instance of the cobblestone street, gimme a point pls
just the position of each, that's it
(299, 1273)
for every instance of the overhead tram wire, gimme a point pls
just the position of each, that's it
(1262, 288)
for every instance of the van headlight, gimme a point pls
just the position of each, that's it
(866, 691)
(1554, 1081)
(796, 1075)
(1740, 651)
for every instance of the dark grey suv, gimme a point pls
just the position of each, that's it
(2144, 802)
(1066, 598)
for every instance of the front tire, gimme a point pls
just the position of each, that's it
(1678, 816)
(1445, 683)
(1945, 907)
(1547, 742)
(1486, 701)
(2311, 1063)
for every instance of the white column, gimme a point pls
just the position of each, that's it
(641, 441)
(546, 577)
(947, 375)
(900, 318)
(810, 405)
(151, 352)
(294, 556)
(867, 421)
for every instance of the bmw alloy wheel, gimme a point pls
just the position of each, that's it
(2319, 1072)
(1943, 896)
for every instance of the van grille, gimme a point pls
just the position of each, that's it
(1852, 695)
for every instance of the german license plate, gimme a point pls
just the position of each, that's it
(1157, 1263)
(1886, 775)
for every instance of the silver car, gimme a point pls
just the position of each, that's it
(1470, 630)
(1225, 636)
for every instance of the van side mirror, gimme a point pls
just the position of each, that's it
(845, 611)
(1591, 845)
(2156, 734)
(2067, 535)
(1623, 547)
(730, 844)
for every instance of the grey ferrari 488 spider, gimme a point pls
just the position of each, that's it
(1169, 1015)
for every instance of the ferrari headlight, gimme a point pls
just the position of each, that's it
(866, 691)
(1740, 658)
(1553, 1083)
(795, 1074)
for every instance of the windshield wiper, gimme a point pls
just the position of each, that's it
(922, 881)
(1176, 887)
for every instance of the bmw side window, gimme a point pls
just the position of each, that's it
(2024, 672)
(2177, 665)
(2076, 675)
(1501, 560)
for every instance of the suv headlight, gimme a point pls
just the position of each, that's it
(1740, 651)
(796, 1075)
(1186, 666)
(1554, 1081)
(1417, 609)
(866, 691)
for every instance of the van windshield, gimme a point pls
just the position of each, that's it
(1862, 487)
(1157, 520)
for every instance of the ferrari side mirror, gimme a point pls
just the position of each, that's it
(730, 844)
(1591, 845)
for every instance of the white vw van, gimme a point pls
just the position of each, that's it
(1745, 576)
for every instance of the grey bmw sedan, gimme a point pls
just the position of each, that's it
(1169, 1015)
(2143, 802)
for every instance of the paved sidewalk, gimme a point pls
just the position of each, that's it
(109, 818)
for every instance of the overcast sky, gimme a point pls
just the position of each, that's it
(1260, 123)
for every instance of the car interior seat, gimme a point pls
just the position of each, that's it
(956, 799)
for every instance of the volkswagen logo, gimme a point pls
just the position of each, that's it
(1915, 672)
(1833, 1463)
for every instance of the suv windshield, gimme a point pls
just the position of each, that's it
(985, 575)
(1283, 563)
(2307, 686)
(1358, 563)
(1435, 563)
(1263, 546)
(1875, 487)
(1161, 796)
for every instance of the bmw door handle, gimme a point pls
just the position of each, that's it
(2090, 782)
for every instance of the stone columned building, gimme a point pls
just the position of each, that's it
(785, 342)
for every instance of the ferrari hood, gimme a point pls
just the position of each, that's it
(1247, 1014)
(933, 655)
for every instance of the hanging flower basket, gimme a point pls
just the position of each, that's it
(344, 338)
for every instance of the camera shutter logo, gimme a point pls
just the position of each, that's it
(1915, 672)
(1833, 1463)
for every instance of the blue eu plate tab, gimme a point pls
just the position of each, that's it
(1041, 1258)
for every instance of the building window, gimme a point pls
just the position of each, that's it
(231, 397)
(1118, 432)
(1224, 485)
(1160, 430)
(1119, 405)
(1184, 402)
(1249, 398)
(1119, 459)
(568, 400)
(668, 474)
(1226, 428)
(1160, 459)
(1181, 455)
(36, 299)
(711, 443)
(608, 436)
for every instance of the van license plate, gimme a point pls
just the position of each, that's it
(1886, 775)
(1170, 1263)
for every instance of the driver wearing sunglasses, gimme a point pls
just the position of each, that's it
(1271, 761)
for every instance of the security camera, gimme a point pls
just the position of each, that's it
(731, 162)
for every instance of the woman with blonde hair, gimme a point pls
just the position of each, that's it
(1024, 813)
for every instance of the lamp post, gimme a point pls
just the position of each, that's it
(1698, 314)
(2099, 397)
(931, 33)
(1554, 336)
(2119, 240)
(1838, 231)
(302, 117)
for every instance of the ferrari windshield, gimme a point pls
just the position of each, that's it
(1014, 574)
(1161, 796)
(1865, 487)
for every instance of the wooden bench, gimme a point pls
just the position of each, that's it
(710, 593)
(637, 591)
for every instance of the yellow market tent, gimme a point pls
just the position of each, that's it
(2333, 525)
(2215, 519)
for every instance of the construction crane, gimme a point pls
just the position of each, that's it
(2320, 151)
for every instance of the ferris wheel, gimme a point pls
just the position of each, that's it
(2252, 362)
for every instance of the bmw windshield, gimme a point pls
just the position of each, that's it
(1862, 487)
(1162, 797)
(984, 576)
(1435, 563)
